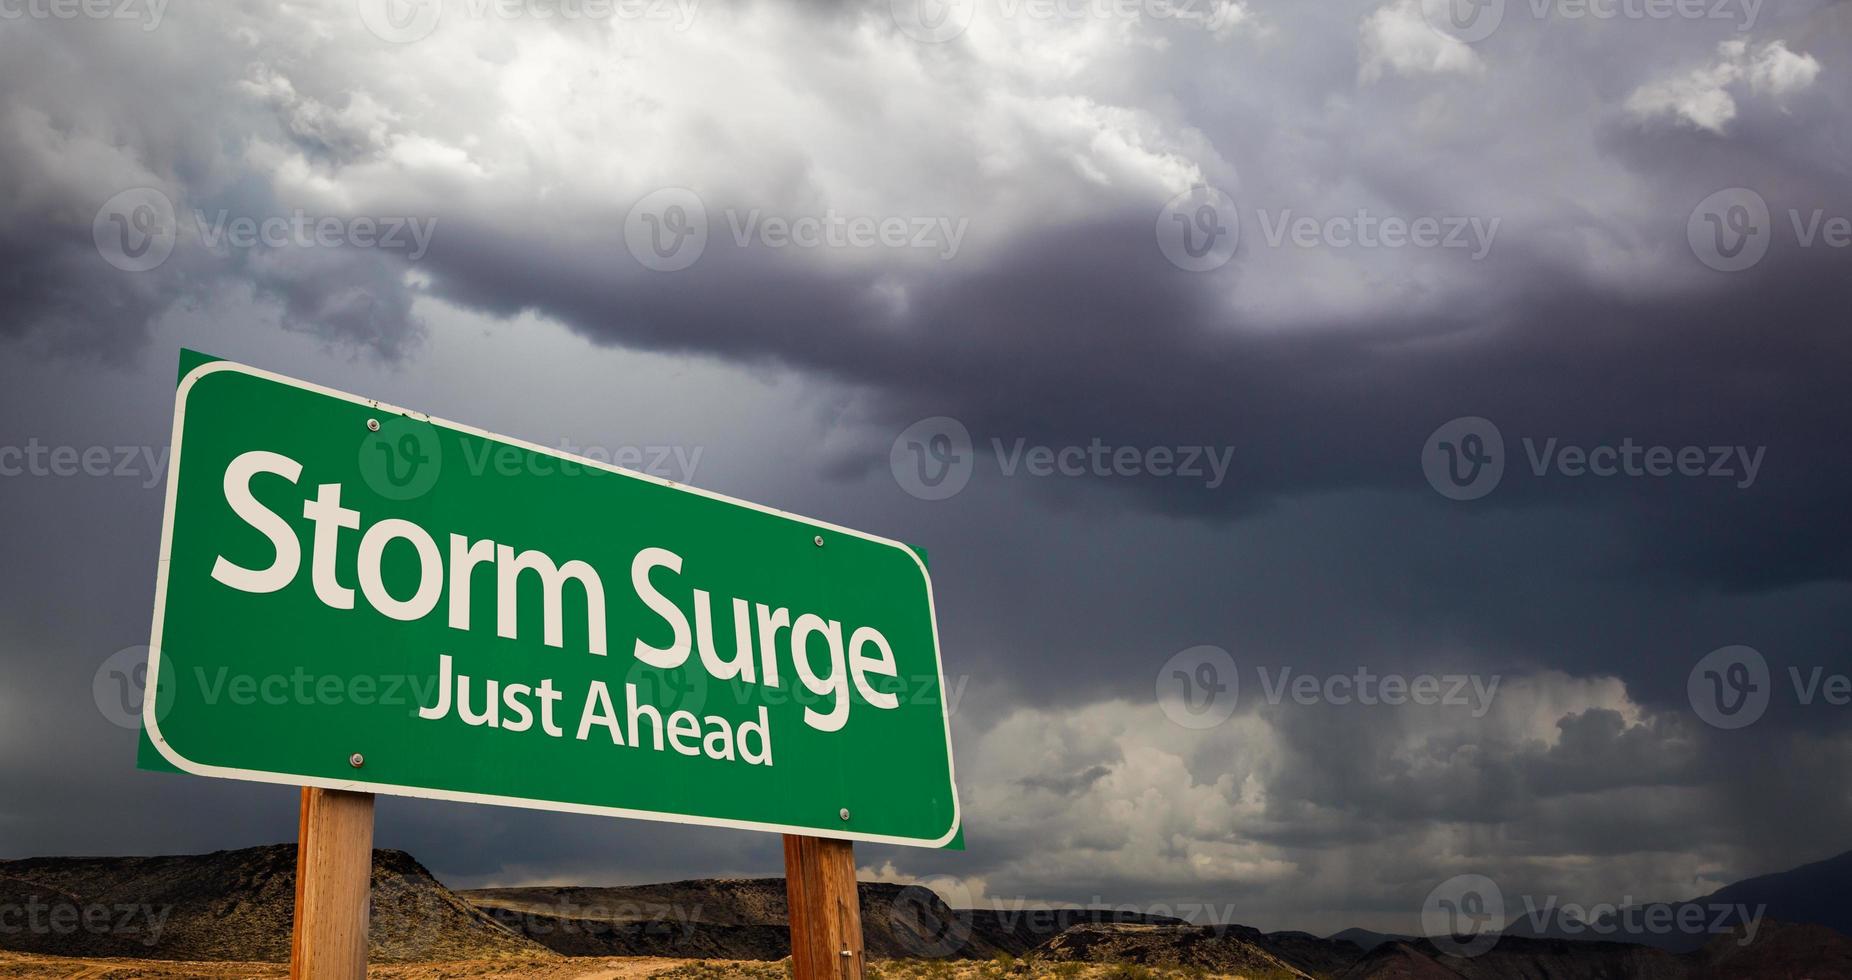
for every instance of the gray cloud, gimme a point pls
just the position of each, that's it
(1058, 322)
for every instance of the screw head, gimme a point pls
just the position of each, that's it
(372, 425)
(356, 760)
(844, 813)
(819, 540)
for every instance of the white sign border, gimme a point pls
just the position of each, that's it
(150, 714)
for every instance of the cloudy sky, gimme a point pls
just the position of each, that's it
(1394, 277)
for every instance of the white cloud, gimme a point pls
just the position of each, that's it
(1310, 814)
(1703, 97)
(1397, 38)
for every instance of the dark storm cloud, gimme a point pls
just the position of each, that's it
(1059, 322)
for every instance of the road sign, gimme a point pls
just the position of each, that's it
(357, 597)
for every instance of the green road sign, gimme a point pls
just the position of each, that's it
(354, 596)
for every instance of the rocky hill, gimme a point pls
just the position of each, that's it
(1207, 947)
(744, 918)
(741, 918)
(237, 906)
(227, 905)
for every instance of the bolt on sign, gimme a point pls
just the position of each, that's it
(357, 597)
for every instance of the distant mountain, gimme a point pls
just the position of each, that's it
(727, 918)
(1304, 951)
(1819, 893)
(1367, 940)
(1395, 960)
(745, 918)
(1781, 951)
(228, 905)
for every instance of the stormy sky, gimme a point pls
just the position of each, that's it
(1401, 273)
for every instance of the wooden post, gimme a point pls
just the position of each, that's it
(334, 878)
(826, 912)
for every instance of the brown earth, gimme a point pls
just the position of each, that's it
(1200, 947)
(745, 918)
(26, 966)
(228, 905)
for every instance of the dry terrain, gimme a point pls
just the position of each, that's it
(25, 966)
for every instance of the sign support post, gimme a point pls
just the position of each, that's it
(334, 877)
(825, 910)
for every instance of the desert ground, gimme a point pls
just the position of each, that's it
(32, 967)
